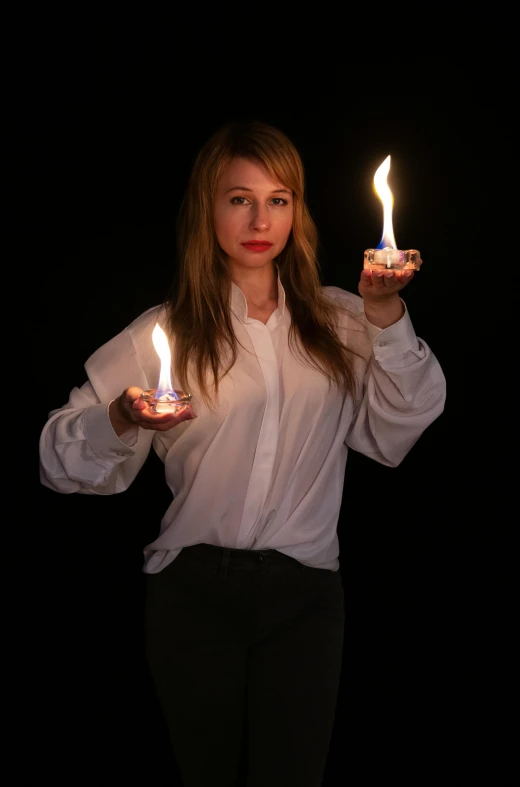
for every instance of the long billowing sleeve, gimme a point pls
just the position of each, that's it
(79, 450)
(402, 390)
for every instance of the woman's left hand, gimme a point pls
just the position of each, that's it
(375, 286)
(382, 304)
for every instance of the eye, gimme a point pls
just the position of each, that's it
(238, 200)
(279, 201)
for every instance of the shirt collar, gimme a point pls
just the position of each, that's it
(239, 303)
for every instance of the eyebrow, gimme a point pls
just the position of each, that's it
(244, 188)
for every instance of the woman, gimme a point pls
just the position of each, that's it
(245, 611)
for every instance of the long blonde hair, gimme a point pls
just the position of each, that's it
(198, 306)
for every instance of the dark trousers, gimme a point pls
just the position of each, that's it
(245, 650)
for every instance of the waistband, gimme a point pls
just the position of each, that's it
(222, 557)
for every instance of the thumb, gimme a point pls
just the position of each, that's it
(138, 404)
(132, 396)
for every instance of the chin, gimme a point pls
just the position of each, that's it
(253, 261)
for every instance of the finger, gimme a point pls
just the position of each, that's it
(132, 393)
(175, 415)
(186, 413)
(403, 276)
(171, 419)
(389, 279)
(139, 404)
(159, 424)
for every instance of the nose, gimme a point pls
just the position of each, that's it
(260, 221)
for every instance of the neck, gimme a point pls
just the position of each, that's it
(259, 285)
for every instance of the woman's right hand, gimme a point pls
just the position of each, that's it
(130, 410)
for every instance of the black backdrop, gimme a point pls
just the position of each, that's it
(117, 134)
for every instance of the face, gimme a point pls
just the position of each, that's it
(253, 215)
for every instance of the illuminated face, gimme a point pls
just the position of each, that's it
(253, 215)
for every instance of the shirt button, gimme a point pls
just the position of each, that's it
(120, 453)
(382, 344)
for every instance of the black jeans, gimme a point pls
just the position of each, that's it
(245, 649)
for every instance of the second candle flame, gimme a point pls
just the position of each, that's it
(160, 342)
(387, 198)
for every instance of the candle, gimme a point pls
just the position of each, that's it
(387, 256)
(164, 399)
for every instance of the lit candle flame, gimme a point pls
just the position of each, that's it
(160, 342)
(385, 195)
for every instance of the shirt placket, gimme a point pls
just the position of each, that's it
(265, 453)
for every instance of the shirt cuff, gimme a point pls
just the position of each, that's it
(397, 339)
(101, 437)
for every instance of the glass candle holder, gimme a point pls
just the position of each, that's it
(167, 402)
(392, 259)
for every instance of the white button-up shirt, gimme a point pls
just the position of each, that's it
(265, 469)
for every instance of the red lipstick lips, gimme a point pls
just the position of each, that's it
(257, 245)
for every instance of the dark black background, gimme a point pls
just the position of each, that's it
(114, 124)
